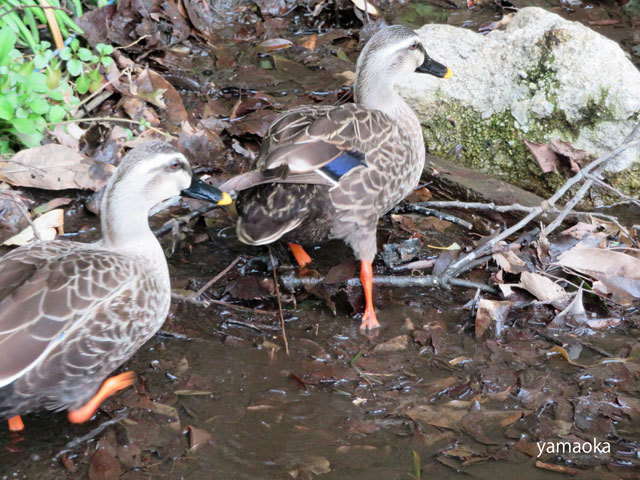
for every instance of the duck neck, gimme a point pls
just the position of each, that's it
(376, 91)
(125, 223)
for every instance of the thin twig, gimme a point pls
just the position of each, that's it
(275, 280)
(587, 184)
(183, 220)
(206, 302)
(423, 210)
(613, 189)
(75, 113)
(92, 434)
(218, 276)
(23, 210)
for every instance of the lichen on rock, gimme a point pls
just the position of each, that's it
(542, 78)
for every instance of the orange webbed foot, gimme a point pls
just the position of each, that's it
(300, 255)
(15, 424)
(108, 388)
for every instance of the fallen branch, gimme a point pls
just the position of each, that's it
(596, 167)
(291, 282)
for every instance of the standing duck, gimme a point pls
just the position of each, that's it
(71, 313)
(331, 172)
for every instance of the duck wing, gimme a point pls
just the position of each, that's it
(51, 295)
(314, 145)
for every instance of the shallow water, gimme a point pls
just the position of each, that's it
(334, 407)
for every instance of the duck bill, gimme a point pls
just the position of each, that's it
(203, 191)
(432, 67)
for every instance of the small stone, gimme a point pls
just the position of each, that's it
(396, 344)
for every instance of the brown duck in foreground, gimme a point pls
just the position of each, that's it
(71, 313)
(331, 172)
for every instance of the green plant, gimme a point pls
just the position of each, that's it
(80, 62)
(29, 99)
(23, 17)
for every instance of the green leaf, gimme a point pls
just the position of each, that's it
(74, 67)
(7, 42)
(82, 84)
(24, 125)
(75, 44)
(25, 69)
(104, 49)
(65, 53)
(4, 147)
(56, 114)
(342, 55)
(6, 109)
(53, 78)
(95, 75)
(56, 95)
(30, 140)
(36, 82)
(84, 54)
(95, 85)
(39, 106)
(106, 61)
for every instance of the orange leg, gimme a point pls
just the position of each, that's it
(369, 320)
(15, 424)
(302, 257)
(108, 388)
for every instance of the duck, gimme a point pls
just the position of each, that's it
(71, 313)
(330, 172)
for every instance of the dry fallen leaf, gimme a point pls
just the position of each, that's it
(541, 287)
(274, 44)
(617, 273)
(48, 226)
(396, 344)
(104, 466)
(198, 437)
(510, 262)
(54, 167)
(362, 4)
(491, 312)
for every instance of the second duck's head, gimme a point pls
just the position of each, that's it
(393, 53)
(155, 171)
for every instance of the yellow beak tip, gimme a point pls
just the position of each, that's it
(226, 199)
(449, 73)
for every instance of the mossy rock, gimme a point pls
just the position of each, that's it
(543, 78)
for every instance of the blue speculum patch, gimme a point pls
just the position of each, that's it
(343, 164)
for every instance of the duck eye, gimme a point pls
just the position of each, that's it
(175, 165)
(413, 46)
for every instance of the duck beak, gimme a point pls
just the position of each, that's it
(432, 67)
(203, 191)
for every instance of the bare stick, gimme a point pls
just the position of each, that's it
(426, 281)
(422, 209)
(218, 276)
(275, 280)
